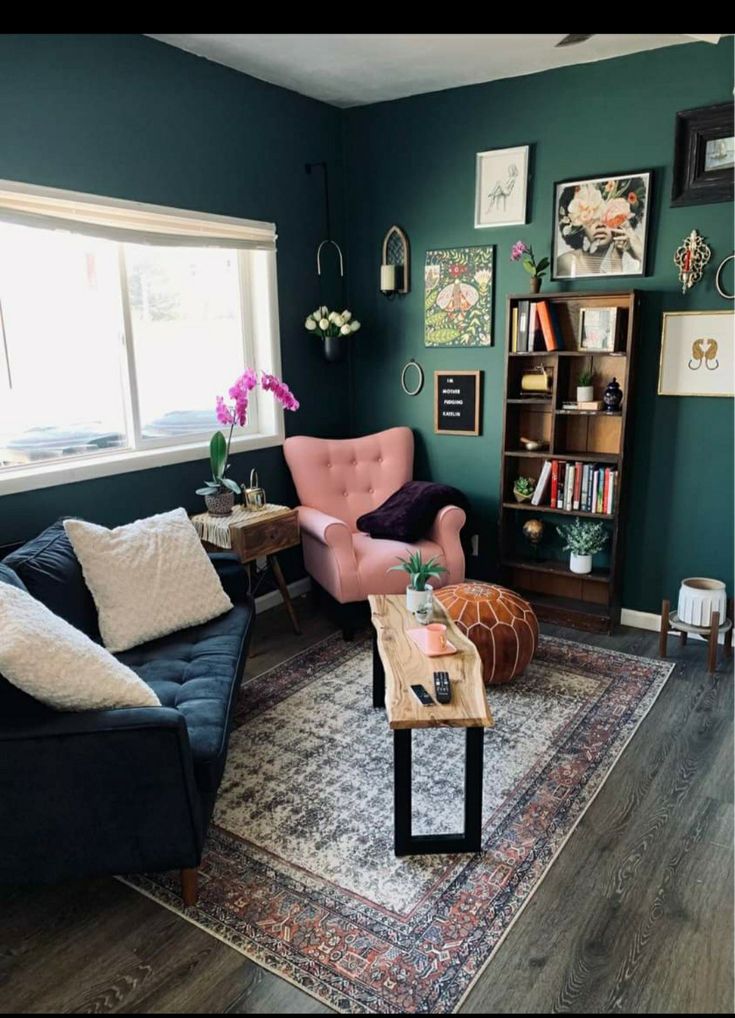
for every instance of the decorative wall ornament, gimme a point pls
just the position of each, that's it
(459, 297)
(697, 354)
(691, 257)
(395, 272)
(501, 178)
(718, 278)
(412, 378)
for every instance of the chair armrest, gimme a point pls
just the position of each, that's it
(445, 532)
(328, 530)
(97, 792)
(233, 575)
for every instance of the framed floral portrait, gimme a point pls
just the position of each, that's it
(601, 226)
(458, 300)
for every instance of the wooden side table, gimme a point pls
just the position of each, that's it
(261, 534)
(397, 664)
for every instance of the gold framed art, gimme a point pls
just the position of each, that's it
(457, 402)
(697, 354)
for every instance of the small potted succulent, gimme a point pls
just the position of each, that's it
(523, 489)
(418, 591)
(585, 388)
(583, 539)
(219, 491)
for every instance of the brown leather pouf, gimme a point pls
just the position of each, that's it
(501, 624)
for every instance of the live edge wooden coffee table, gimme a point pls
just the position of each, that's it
(397, 665)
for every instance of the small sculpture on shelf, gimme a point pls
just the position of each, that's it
(533, 531)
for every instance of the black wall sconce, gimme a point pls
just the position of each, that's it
(395, 269)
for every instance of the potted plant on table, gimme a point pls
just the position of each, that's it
(219, 492)
(583, 538)
(523, 253)
(418, 591)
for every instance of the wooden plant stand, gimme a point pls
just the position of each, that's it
(671, 625)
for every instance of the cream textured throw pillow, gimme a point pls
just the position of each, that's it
(148, 578)
(59, 665)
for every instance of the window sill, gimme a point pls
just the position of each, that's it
(69, 471)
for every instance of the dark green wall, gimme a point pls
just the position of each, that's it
(412, 162)
(128, 117)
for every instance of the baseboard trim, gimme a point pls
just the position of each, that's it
(273, 597)
(640, 620)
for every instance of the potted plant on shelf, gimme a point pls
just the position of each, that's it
(583, 539)
(418, 591)
(523, 489)
(523, 253)
(333, 327)
(585, 388)
(219, 492)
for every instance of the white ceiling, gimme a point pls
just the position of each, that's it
(352, 70)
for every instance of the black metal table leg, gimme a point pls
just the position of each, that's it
(470, 840)
(378, 675)
(402, 790)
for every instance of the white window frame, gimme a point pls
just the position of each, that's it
(261, 338)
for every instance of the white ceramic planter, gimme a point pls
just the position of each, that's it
(699, 598)
(416, 598)
(580, 563)
(585, 393)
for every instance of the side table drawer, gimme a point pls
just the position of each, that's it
(266, 538)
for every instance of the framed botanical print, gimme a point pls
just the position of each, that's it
(697, 354)
(601, 226)
(704, 155)
(458, 300)
(501, 182)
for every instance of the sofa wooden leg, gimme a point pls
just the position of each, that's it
(190, 886)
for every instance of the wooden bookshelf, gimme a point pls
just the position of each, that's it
(592, 601)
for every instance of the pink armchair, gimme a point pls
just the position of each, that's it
(338, 480)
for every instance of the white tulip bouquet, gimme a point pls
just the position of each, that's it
(331, 323)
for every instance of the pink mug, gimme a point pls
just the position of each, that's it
(436, 638)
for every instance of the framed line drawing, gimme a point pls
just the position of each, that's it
(501, 186)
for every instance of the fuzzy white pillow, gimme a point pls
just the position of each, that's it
(147, 578)
(59, 665)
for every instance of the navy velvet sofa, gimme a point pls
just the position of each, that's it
(118, 791)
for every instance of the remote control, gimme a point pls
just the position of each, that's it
(420, 693)
(442, 687)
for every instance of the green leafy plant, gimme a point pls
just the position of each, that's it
(583, 537)
(586, 377)
(218, 452)
(524, 486)
(418, 570)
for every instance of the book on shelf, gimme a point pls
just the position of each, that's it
(535, 332)
(590, 404)
(523, 308)
(549, 325)
(577, 487)
(514, 333)
(542, 484)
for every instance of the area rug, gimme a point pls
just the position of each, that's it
(299, 872)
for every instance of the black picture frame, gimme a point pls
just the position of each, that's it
(647, 176)
(692, 183)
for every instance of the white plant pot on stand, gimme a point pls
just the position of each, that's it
(699, 599)
(580, 563)
(415, 599)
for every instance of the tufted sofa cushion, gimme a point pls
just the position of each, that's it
(198, 671)
(346, 478)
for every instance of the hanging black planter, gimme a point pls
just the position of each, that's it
(335, 348)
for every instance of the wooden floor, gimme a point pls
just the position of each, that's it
(635, 916)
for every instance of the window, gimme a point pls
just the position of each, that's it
(119, 325)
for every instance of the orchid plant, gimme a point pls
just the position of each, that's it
(236, 413)
(331, 323)
(523, 253)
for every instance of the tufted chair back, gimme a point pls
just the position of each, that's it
(347, 477)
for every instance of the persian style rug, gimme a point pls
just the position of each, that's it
(299, 872)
